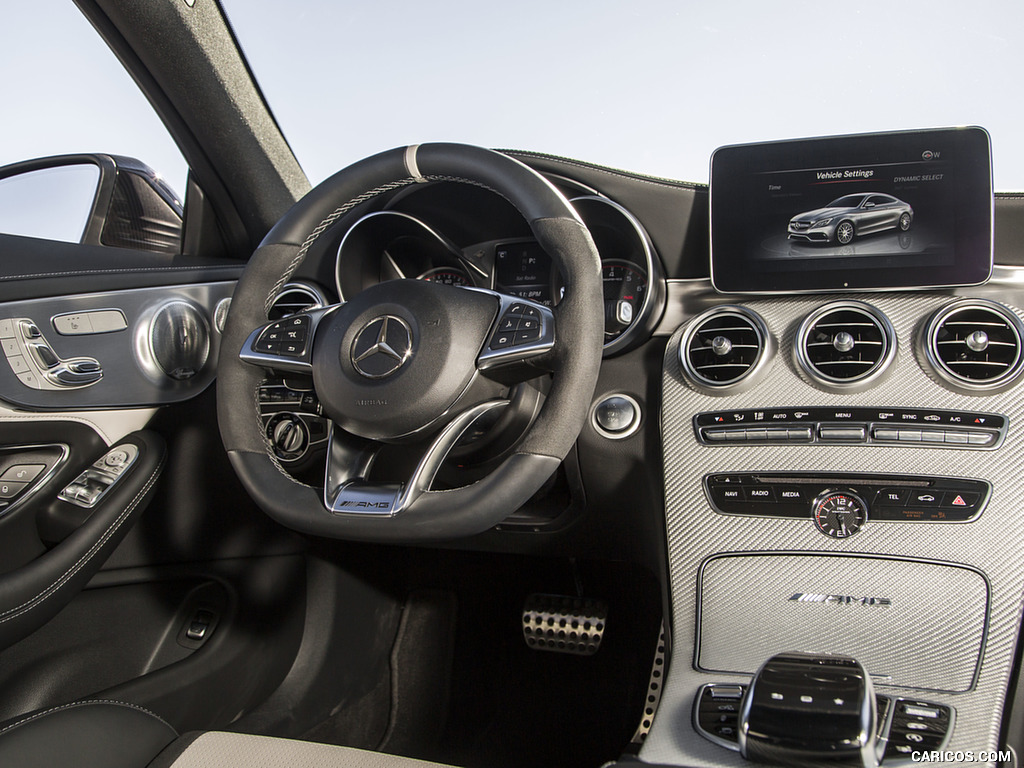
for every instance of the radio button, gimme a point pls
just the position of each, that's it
(760, 493)
(799, 435)
(885, 433)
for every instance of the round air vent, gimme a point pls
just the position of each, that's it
(974, 344)
(295, 298)
(724, 348)
(846, 345)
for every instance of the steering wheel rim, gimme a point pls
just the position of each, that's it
(574, 357)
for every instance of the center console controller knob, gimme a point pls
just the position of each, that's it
(806, 709)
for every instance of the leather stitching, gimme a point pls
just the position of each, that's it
(36, 715)
(33, 602)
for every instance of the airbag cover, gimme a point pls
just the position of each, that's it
(399, 355)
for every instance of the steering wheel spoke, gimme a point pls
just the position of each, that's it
(347, 490)
(523, 333)
(286, 344)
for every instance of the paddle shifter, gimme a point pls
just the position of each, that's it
(803, 709)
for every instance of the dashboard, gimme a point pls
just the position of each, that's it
(828, 470)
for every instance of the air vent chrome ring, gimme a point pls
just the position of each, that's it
(974, 346)
(845, 346)
(725, 350)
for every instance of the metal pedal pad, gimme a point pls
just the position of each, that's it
(564, 624)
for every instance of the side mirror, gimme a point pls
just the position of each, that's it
(94, 199)
(869, 205)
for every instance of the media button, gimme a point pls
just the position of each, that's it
(791, 494)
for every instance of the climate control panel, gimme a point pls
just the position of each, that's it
(905, 427)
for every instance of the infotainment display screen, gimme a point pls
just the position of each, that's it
(883, 210)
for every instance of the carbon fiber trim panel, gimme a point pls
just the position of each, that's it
(918, 639)
(695, 532)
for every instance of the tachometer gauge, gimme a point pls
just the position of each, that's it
(625, 286)
(446, 275)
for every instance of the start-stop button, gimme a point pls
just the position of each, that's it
(616, 416)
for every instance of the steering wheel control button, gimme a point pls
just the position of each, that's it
(616, 416)
(94, 483)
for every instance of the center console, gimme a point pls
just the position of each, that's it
(842, 473)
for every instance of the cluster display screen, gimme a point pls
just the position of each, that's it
(883, 210)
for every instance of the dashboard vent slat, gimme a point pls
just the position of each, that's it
(974, 344)
(845, 345)
(295, 298)
(724, 347)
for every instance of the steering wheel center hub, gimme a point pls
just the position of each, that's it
(396, 358)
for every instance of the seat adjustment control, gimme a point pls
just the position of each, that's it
(37, 365)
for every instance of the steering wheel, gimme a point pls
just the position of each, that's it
(411, 359)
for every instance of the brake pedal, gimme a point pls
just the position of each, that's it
(564, 624)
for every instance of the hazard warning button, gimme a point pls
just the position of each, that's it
(960, 500)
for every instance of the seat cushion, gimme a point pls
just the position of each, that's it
(86, 734)
(216, 749)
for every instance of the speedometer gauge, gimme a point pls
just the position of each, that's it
(447, 276)
(625, 286)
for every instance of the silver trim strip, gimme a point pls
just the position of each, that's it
(411, 165)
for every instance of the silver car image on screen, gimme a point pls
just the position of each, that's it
(851, 216)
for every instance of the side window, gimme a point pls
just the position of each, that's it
(68, 167)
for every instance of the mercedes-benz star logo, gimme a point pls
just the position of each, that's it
(382, 346)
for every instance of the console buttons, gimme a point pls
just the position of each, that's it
(725, 495)
(957, 499)
(885, 433)
(924, 499)
(851, 434)
(956, 438)
(761, 493)
(910, 436)
(892, 497)
(791, 494)
(980, 438)
(803, 434)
